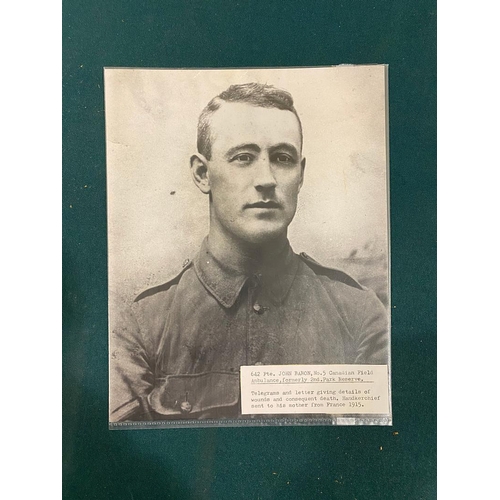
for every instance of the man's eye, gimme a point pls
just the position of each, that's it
(243, 158)
(283, 158)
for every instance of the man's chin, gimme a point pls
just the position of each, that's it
(264, 235)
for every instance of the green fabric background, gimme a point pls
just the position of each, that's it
(250, 463)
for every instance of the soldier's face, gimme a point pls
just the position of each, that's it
(255, 172)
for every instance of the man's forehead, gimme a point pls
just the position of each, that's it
(241, 122)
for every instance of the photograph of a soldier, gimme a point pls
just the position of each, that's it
(237, 293)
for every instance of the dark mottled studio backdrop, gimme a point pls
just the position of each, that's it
(250, 463)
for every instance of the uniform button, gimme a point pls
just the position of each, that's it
(186, 407)
(257, 308)
(258, 363)
(185, 263)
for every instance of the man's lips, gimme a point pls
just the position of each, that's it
(263, 204)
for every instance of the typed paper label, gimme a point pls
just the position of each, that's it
(330, 389)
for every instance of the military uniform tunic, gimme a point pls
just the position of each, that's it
(177, 352)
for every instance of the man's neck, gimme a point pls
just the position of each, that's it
(242, 255)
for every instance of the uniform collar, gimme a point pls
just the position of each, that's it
(225, 283)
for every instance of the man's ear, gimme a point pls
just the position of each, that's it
(302, 168)
(199, 172)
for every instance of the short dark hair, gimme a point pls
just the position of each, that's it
(257, 94)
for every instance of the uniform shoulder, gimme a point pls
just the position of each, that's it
(155, 290)
(330, 272)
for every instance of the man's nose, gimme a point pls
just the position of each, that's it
(264, 176)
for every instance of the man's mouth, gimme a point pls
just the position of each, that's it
(263, 204)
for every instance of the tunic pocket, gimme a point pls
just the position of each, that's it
(194, 393)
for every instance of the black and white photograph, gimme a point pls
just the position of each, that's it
(248, 246)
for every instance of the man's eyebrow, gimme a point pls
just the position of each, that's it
(239, 147)
(286, 146)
